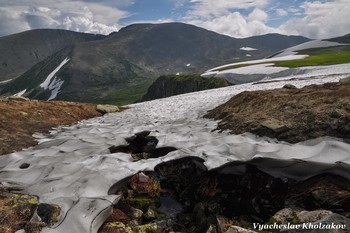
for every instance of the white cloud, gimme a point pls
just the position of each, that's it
(322, 20)
(16, 16)
(223, 16)
(281, 12)
(12, 22)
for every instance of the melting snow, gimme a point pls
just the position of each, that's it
(73, 167)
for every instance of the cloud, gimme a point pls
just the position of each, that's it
(281, 12)
(322, 20)
(225, 17)
(83, 16)
(12, 22)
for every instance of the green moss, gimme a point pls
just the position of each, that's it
(147, 228)
(140, 202)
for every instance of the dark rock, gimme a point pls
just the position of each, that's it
(24, 165)
(289, 86)
(48, 213)
(142, 146)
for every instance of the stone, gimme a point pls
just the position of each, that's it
(284, 216)
(24, 165)
(313, 216)
(289, 86)
(345, 80)
(48, 213)
(142, 146)
(150, 214)
(274, 125)
(107, 108)
(288, 215)
(136, 213)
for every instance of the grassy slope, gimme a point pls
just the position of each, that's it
(129, 94)
(319, 57)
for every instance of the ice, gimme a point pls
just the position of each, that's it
(72, 167)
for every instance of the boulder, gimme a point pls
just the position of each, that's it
(345, 80)
(106, 108)
(289, 86)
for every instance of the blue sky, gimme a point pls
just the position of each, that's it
(236, 18)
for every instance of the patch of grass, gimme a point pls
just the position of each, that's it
(319, 57)
(131, 93)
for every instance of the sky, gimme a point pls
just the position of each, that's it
(237, 18)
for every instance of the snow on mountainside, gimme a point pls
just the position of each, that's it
(74, 169)
(256, 70)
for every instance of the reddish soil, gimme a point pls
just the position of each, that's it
(19, 120)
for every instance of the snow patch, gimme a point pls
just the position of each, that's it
(21, 93)
(6, 81)
(247, 49)
(258, 61)
(307, 45)
(48, 80)
(266, 68)
(188, 65)
(248, 55)
(55, 87)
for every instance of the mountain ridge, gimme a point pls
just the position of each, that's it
(21, 51)
(139, 52)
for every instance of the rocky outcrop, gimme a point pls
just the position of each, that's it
(22, 211)
(183, 196)
(169, 85)
(289, 114)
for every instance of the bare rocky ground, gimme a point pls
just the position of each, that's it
(289, 114)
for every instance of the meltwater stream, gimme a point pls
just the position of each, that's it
(73, 168)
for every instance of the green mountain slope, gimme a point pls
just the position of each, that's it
(19, 52)
(138, 53)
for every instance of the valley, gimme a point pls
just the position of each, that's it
(216, 134)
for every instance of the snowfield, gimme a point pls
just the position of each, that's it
(73, 168)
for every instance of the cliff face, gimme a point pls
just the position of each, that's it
(169, 85)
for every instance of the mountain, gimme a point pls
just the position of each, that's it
(136, 54)
(341, 39)
(169, 85)
(19, 52)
